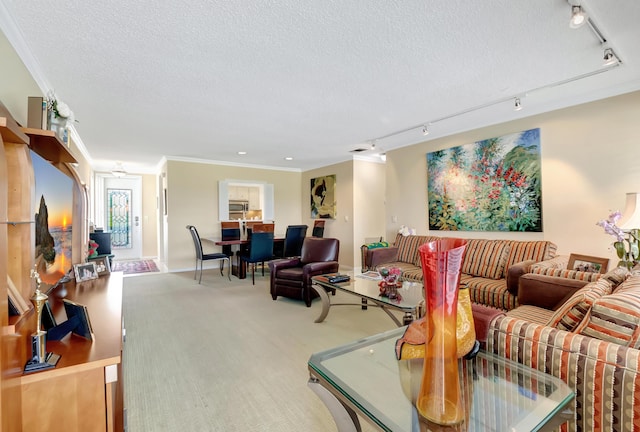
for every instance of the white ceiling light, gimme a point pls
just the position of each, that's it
(118, 170)
(383, 157)
(242, 152)
(578, 17)
(425, 130)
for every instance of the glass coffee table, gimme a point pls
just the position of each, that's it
(409, 300)
(364, 377)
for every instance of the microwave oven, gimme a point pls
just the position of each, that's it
(238, 206)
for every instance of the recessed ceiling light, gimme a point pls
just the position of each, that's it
(242, 152)
(288, 158)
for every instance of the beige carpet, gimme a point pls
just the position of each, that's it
(223, 356)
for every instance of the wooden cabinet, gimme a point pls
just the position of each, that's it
(238, 193)
(84, 392)
(254, 198)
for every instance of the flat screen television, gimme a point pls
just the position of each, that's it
(53, 220)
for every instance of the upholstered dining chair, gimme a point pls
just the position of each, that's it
(293, 239)
(201, 257)
(229, 230)
(260, 250)
(318, 228)
(291, 277)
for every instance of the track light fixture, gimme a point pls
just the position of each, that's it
(373, 145)
(425, 130)
(517, 105)
(610, 57)
(578, 17)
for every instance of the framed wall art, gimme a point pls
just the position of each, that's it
(489, 185)
(323, 197)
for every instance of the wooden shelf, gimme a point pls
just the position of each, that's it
(9, 129)
(48, 145)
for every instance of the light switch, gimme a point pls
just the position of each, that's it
(394, 219)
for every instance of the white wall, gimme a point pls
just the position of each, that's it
(590, 160)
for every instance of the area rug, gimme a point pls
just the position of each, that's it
(133, 267)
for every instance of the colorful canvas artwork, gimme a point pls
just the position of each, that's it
(489, 185)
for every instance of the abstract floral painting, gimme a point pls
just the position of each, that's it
(489, 185)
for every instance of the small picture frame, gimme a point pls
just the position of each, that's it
(588, 263)
(85, 272)
(103, 266)
(82, 326)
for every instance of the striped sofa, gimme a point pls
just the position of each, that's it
(592, 342)
(550, 283)
(491, 268)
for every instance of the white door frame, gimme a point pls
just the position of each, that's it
(103, 181)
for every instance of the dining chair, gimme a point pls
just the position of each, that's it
(230, 230)
(318, 228)
(260, 250)
(293, 239)
(201, 257)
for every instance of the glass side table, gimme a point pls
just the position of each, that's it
(364, 378)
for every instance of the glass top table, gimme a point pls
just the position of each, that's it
(364, 377)
(409, 299)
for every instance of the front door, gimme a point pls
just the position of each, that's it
(122, 198)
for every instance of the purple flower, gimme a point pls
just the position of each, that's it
(610, 226)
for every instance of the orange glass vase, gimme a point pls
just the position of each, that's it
(439, 400)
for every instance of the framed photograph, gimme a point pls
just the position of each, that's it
(78, 315)
(588, 263)
(85, 272)
(102, 265)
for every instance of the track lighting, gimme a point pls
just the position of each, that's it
(517, 106)
(383, 157)
(578, 17)
(610, 57)
(425, 130)
(373, 145)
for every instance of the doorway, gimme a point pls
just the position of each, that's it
(118, 211)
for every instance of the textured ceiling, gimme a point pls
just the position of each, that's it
(309, 79)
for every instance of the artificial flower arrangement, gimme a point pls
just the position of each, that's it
(93, 249)
(59, 109)
(390, 282)
(627, 244)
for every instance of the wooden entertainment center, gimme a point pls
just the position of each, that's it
(84, 392)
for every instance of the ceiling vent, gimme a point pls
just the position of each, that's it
(359, 150)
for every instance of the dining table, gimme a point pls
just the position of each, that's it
(233, 247)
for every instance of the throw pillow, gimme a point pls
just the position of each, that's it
(616, 317)
(570, 314)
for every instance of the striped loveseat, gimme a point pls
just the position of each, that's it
(491, 268)
(592, 342)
